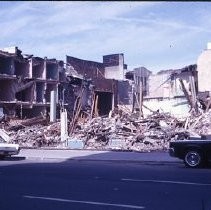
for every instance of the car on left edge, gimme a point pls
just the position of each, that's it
(8, 149)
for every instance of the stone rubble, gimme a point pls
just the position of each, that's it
(34, 132)
(120, 131)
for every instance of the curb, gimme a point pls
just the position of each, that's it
(97, 150)
(145, 162)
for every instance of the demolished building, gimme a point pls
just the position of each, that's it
(109, 87)
(90, 91)
(26, 83)
(163, 90)
(204, 86)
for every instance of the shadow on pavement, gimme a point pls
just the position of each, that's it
(38, 184)
(13, 158)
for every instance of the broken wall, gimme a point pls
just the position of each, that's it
(40, 92)
(107, 88)
(159, 85)
(166, 93)
(204, 70)
(37, 68)
(26, 95)
(6, 65)
(104, 103)
(125, 93)
(22, 68)
(30, 112)
(185, 75)
(88, 69)
(7, 90)
(177, 107)
(73, 90)
(49, 87)
(141, 76)
(27, 82)
(52, 69)
(114, 66)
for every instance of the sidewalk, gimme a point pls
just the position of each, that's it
(93, 155)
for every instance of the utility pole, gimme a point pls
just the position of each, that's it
(193, 92)
(140, 98)
(53, 106)
(63, 122)
(64, 132)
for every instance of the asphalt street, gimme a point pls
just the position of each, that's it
(53, 184)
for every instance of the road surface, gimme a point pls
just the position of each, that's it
(52, 184)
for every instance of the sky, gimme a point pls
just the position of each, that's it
(156, 35)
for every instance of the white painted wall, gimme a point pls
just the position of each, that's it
(157, 87)
(177, 107)
(12, 49)
(116, 72)
(204, 71)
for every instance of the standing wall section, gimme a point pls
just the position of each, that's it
(204, 71)
(7, 77)
(114, 66)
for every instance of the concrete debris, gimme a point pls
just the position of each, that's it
(122, 130)
(127, 132)
(4, 135)
(15, 125)
(201, 124)
(35, 132)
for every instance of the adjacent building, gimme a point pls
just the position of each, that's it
(162, 91)
(110, 87)
(204, 69)
(26, 83)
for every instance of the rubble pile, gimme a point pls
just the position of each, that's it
(122, 130)
(34, 132)
(125, 131)
(201, 124)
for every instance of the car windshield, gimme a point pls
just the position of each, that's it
(2, 140)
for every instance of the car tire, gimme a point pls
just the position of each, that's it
(193, 159)
(2, 157)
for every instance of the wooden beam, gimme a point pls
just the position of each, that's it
(185, 93)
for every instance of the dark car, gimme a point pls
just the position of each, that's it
(195, 152)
